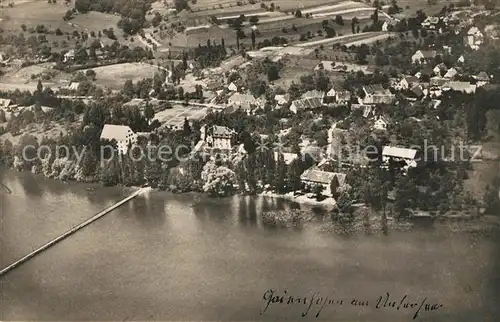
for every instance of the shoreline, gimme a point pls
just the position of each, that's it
(302, 199)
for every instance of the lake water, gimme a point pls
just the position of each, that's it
(188, 257)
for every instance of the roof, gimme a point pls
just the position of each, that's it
(343, 95)
(376, 88)
(323, 177)
(427, 53)
(238, 98)
(417, 91)
(482, 76)
(411, 79)
(116, 132)
(460, 87)
(221, 132)
(391, 151)
(287, 156)
(438, 81)
(432, 20)
(73, 86)
(451, 73)
(314, 93)
(473, 30)
(313, 102)
(4, 102)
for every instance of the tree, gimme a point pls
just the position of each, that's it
(491, 199)
(334, 185)
(254, 20)
(318, 190)
(149, 112)
(186, 128)
(82, 5)
(272, 73)
(375, 16)
(298, 13)
(253, 39)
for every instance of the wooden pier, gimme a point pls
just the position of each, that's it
(71, 231)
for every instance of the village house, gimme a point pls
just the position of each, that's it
(451, 73)
(243, 101)
(380, 124)
(431, 23)
(408, 82)
(314, 94)
(4, 103)
(73, 86)
(416, 93)
(313, 177)
(422, 56)
(376, 94)
(288, 157)
(342, 97)
(282, 99)
(232, 87)
(407, 156)
(389, 24)
(122, 134)
(481, 79)
(440, 70)
(463, 87)
(217, 137)
(306, 103)
(461, 59)
(69, 56)
(474, 38)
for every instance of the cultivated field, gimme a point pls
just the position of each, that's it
(114, 76)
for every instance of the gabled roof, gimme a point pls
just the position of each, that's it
(305, 103)
(482, 76)
(116, 132)
(417, 91)
(438, 81)
(314, 93)
(376, 88)
(73, 86)
(4, 102)
(221, 132)
(411, 79)
(431, 20)
(460, 87)
(238, 98)
(427, 53)
(404, 153)
(343, 95)
(473, 30)
(451, 73)
(323, 177)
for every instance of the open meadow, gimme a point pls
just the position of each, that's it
(114, 76)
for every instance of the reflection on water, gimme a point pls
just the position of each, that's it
(188, 257)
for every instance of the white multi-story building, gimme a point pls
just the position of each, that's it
(122, 134)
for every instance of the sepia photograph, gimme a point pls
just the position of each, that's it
(250, 160)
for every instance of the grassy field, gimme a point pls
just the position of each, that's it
(33, 14)
(175, 116)
(20, 78)
(114, 76)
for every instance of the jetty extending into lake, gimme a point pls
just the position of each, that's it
(72, 231)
